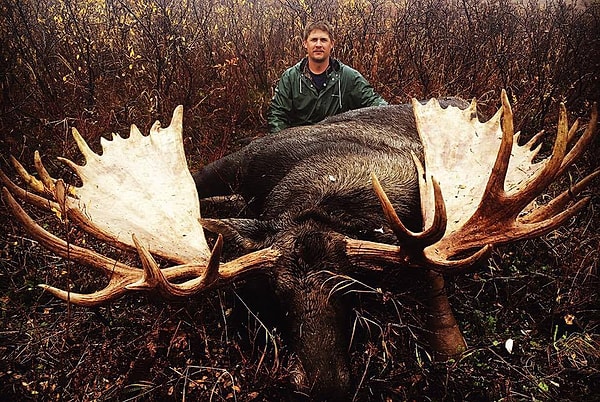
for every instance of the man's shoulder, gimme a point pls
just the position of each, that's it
(295, 67)
(345, 69)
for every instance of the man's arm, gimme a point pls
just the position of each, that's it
(363, 93)
(280, 106)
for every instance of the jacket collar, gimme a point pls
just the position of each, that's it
(334, 65)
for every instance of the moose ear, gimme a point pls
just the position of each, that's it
(250, 234)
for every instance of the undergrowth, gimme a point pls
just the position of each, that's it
(100, 66)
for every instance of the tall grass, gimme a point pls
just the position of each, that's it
(102, 65)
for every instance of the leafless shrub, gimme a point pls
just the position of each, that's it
(101, 65)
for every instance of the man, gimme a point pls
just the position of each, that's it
(319, 85)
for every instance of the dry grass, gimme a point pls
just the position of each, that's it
(103, 65)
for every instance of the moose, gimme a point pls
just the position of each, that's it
(422, 187)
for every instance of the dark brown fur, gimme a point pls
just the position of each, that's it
(306, 187)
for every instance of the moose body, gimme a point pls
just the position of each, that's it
(421, 187)
(307, 186)
(325, 169)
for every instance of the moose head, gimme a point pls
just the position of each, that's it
(403, 187)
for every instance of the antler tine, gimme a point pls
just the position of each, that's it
(405, 236)
(154, 277)
(119, 273)
(575, 127)
(28, 196)
(60, 195)
(495, 186)
(124, 277)
(581, 145)
(47, 180)
(551, 169)
(31, 181)
(114, 290)
(560, 202)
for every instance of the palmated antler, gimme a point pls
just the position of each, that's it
(138, 195)
(478, 188)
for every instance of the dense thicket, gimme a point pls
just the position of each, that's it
(102, 65)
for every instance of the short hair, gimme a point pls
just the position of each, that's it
(320, 25)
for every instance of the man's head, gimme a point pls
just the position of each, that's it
(318, 25)
(318, 41)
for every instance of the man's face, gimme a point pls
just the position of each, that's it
(318, 45)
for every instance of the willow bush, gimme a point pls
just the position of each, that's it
(102, 65)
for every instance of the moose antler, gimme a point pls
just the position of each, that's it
(477, 188)
(476, 192)
(146, 180)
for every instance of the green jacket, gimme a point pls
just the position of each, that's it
(297, 102)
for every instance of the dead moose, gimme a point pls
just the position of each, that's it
(421, 186)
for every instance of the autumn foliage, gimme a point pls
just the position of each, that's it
(102, 65)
